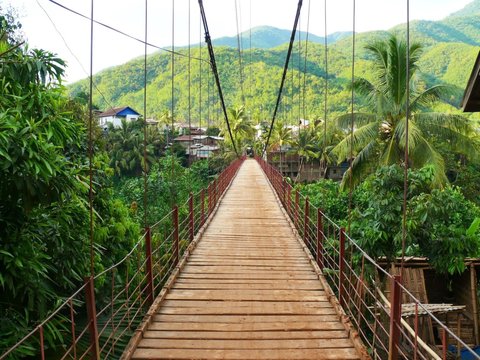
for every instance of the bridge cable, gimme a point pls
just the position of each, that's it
(239, 47)
(407, 117)
(90, 148)
(213, 64)
(325, 115)
(250, 56)
(299, 71)
(173, 104)
(285, 69)
(352, 122)
(189, 91)
(145, 168)
(71, 52)
(200, 71)
(109, 27)
(306, 57)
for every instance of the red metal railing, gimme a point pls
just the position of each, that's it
(85, 327)
(358, 283)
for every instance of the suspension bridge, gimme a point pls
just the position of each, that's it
(244, 269)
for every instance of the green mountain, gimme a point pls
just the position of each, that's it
(266, 37)
(450, 49)
(470, 9)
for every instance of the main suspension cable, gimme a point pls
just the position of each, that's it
(285, 69)
(120, 31)
(213, 64)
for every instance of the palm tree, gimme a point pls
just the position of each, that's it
(379, 136)
(327, 136)
(282, 135)
(304, 146)
(240, 125)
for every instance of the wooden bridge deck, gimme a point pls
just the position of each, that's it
(248, 290)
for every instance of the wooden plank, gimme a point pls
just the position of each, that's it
(246, 344)
(259, 335)
(246, 318)
(264, 275)
(274, 326)
(248, 291)
(247, 295)
(247, 286)
(290, 354)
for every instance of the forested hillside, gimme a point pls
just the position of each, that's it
(449, 50)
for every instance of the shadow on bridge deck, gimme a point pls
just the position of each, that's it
(248, 290)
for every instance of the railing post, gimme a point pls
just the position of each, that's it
(215, 183)
(289, 201)
(209, 199)
(175, 235)
(202, 207)
(148, 264)
(341, 268)
(395, 316)
(284, 182)
(297, 200)
(92, 318)
(306, 221)
(319, 245)
(191, 217)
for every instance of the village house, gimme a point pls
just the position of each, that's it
(115, 116)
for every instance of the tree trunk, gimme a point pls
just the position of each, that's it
(300, 167)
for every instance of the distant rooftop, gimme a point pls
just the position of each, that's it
(119, 111)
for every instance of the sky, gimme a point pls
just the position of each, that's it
(50, 27)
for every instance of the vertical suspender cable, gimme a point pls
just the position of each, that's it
(200, 83)
(189, 87)
(285, 69)
(173, 101)
(407, 117)
(145, 184)
(251, 64)
(299, 72)
(325, 114)
(305, 63)
(90, 146)
(239, 45)
(352, 124)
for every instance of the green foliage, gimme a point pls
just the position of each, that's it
(442, 225)
(380, 136)
(168, 183)
(44, 217)
(327, 196)
(446, 228)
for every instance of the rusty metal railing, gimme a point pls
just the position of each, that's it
(358, 283)
(84, 326)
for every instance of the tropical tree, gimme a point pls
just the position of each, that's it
(125, 147)
(327, 137)
(379, 136)
(281, 136)
(304, 146)
(241, 127)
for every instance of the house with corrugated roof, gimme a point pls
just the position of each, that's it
(116, 115)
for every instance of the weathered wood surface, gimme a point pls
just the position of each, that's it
(248, 291)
